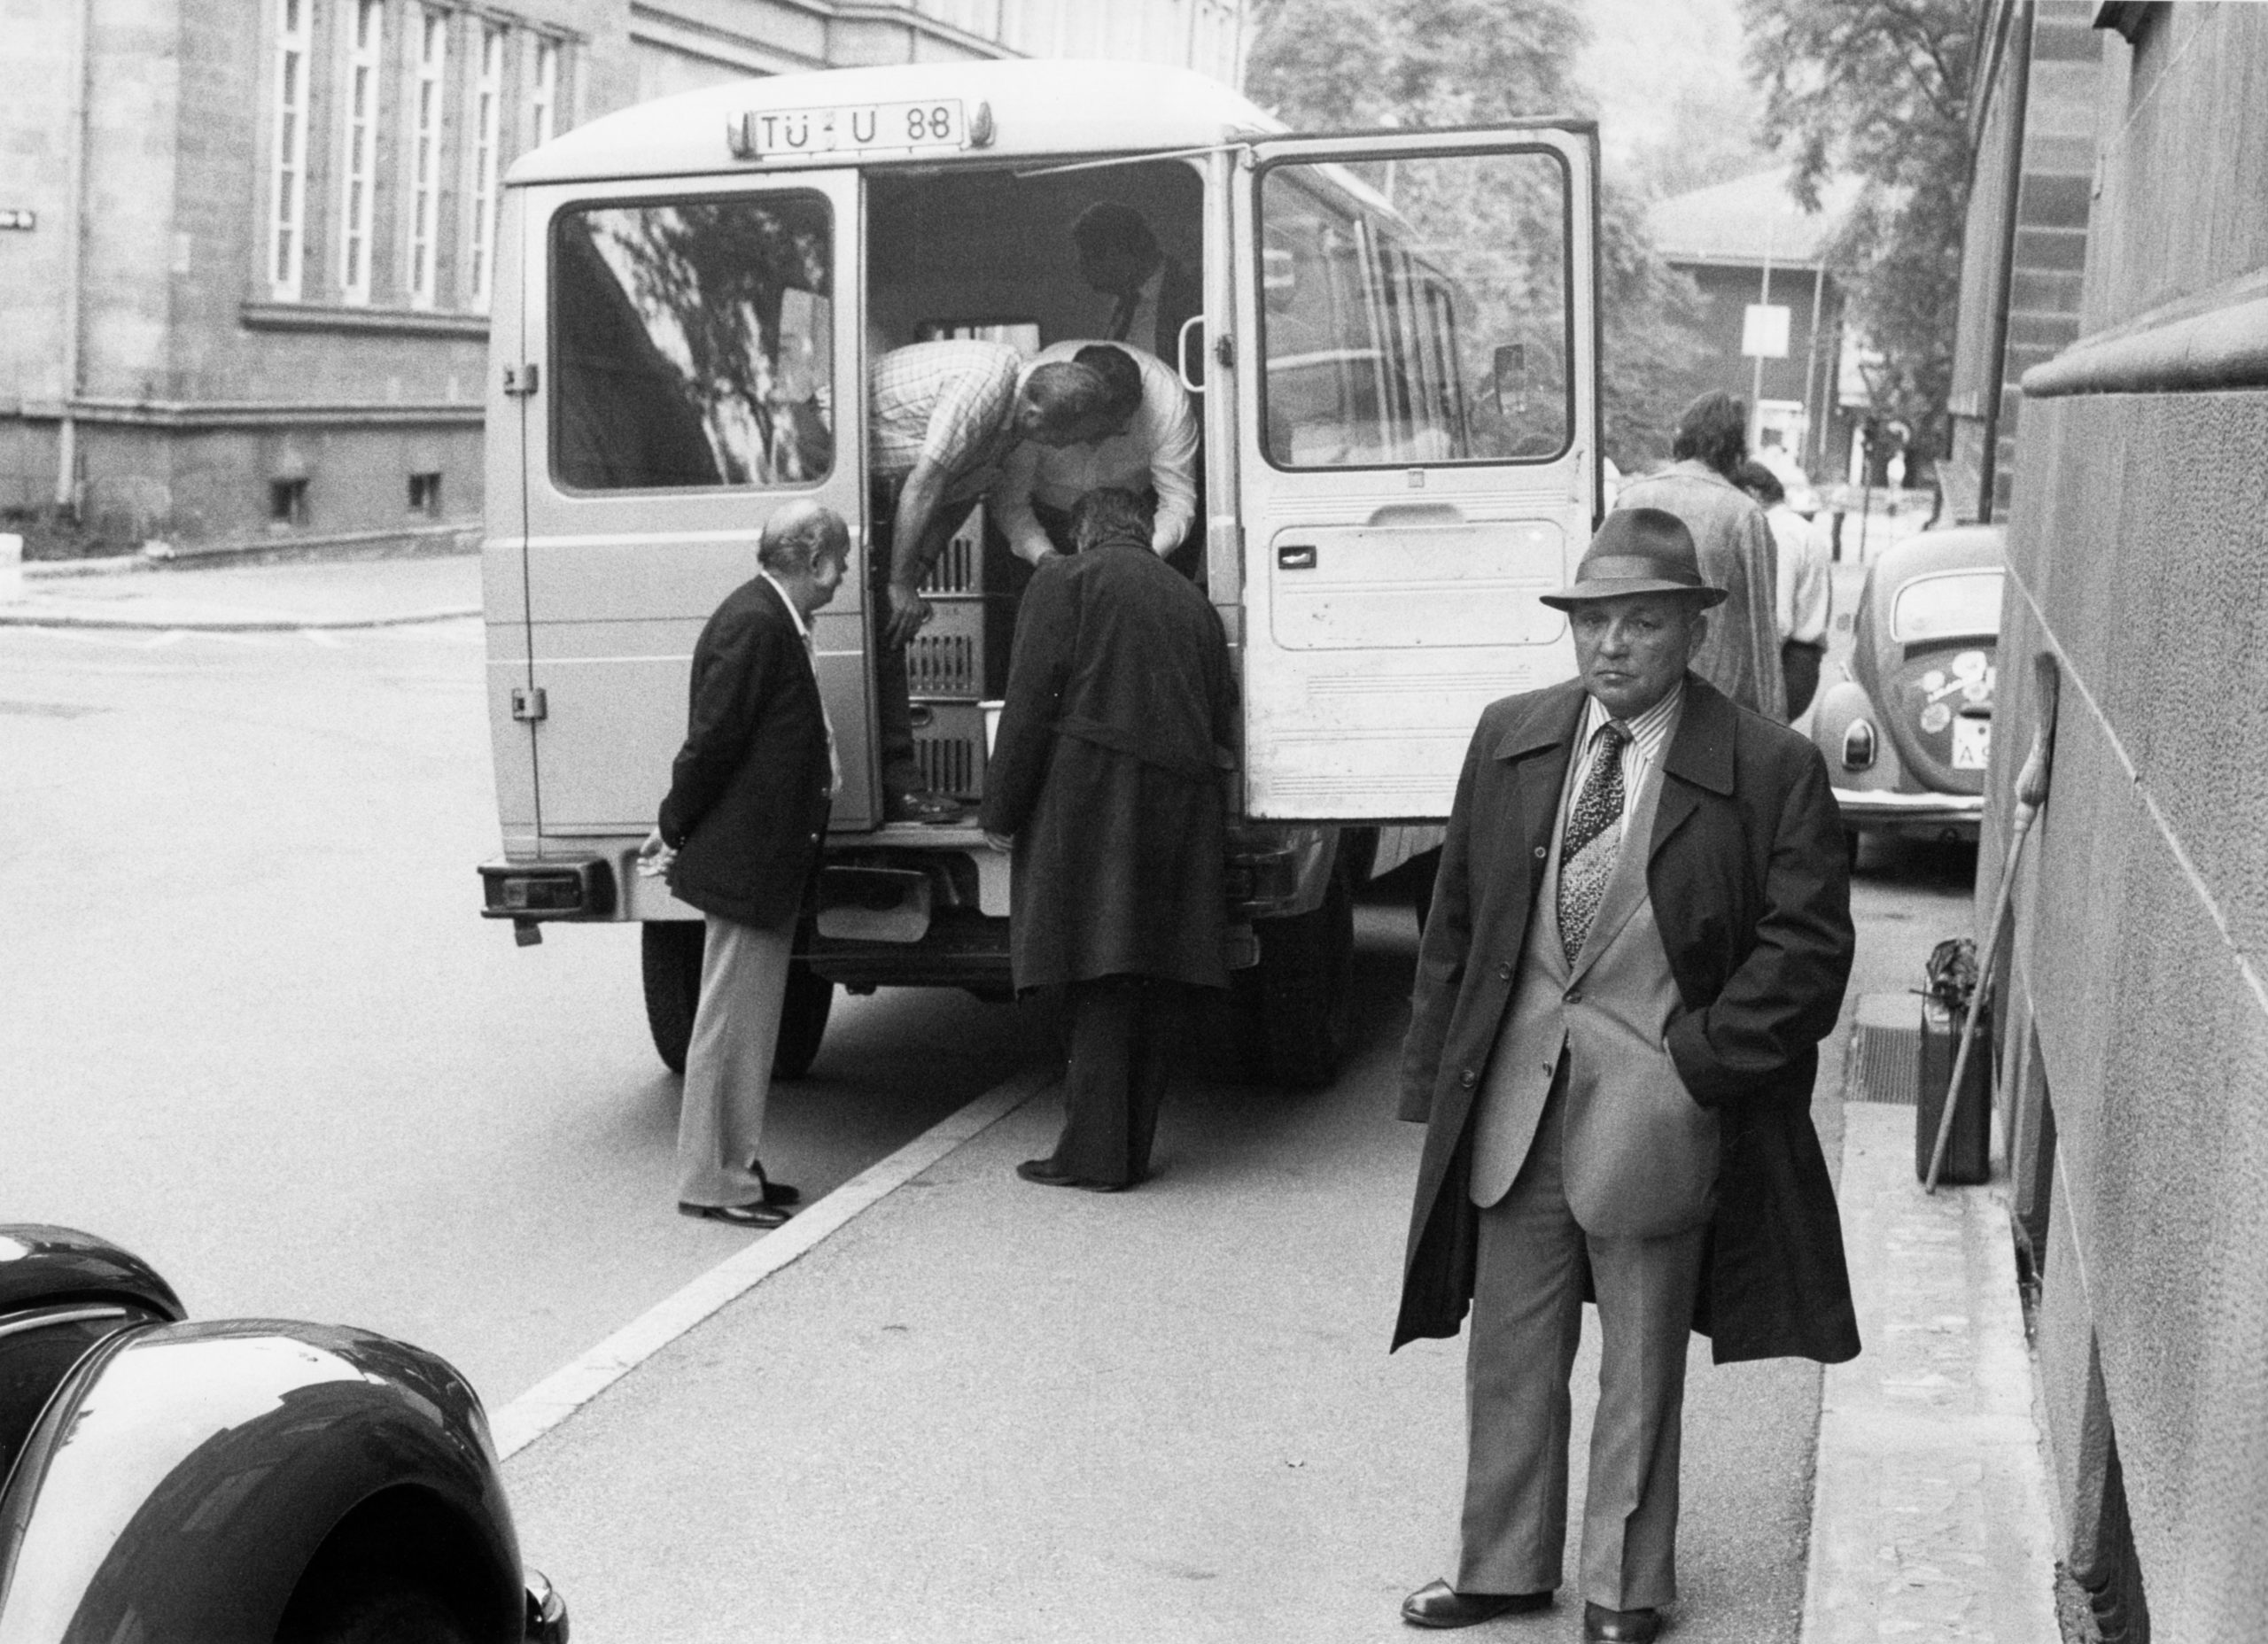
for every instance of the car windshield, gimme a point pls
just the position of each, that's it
(1963, 604)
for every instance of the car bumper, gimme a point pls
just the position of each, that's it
(1930, 815)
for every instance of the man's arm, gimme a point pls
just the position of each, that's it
(1784, 997)
(728, 670)
(1011, 505)
(1759, 557)
(1442, 954)
(1173, 473)
(1037, 669)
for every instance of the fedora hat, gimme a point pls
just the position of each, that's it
(1638, 551)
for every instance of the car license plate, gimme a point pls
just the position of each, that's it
(1972, 743)
(855, 128)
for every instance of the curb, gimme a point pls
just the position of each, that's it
(441, 542)
(231, 624)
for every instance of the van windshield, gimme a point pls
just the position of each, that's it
(693, 344)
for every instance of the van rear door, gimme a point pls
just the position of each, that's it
(1417, 414)
(699, 355)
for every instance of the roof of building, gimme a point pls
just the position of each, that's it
(1031, 107)
(1741, 222)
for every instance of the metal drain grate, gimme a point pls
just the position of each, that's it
(1885, 1065)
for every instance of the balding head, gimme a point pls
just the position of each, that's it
(804, 547)
(1062, 403)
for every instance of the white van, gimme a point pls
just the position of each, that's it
(1396, 365)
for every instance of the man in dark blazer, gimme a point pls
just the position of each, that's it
(1639, 934)
(740, 829)
(1105, 781)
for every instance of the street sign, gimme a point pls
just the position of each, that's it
(23, 219)
(1764, 331)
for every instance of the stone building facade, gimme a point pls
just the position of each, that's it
(246, 248)
(2032, 126)
(2135, 1086)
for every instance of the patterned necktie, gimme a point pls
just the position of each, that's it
(1588, 849)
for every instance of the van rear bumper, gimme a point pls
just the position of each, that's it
(577, 887)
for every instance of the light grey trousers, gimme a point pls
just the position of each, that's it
(1528, 1308)
(728, 1064)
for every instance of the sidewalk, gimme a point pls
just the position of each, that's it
(982, 1411)
(240, 599)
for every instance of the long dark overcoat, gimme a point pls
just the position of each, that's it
(1749, 879)
(1107, 769)
(749, 794)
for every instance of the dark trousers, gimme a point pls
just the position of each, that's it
(1799, 661)
(1122, 1031)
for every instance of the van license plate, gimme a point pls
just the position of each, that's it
(1972, 744)
(856, 128)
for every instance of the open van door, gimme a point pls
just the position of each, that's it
(1418, 409)
(696, 352)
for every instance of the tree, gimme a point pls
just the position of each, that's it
(1329, 65)
(1879, 88)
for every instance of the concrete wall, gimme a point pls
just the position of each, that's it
(2138, 1104)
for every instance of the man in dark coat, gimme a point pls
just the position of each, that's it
(1105, 775)
(739, 832)
(1639, 934)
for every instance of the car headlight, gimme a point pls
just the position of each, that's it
(1859, 746)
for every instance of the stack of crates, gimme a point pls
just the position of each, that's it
(956, 663)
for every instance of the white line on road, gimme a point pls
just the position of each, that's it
(568, 1388)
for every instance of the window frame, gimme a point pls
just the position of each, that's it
(363, 58)
(284, 270)
(545, 59)
(556, 396)
(1450, 150)
(484, 167)
(421, 160)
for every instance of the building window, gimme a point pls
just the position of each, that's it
(488, 95)
(287, 225)
(425, 495)
(365, 23)
(287, 501)
(424, 150)
(543, 94)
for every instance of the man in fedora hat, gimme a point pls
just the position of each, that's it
(1640, 933)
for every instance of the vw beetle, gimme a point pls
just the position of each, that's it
(234, 1482)
(1909, 734)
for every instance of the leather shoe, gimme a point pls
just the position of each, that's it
(922, 805)
(756, 1215)
(774, 1192)
(1044, 1172)
(1621, 1626)
(1438, 1604)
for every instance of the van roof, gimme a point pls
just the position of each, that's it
(1038, 106)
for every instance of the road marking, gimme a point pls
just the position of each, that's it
(568, 1388)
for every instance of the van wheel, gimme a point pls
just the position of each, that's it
(669, 961)
(1295, 1002)
(803, 1020)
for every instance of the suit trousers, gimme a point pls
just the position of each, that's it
(1526, 1320)
(728, 1064)
(1123, 1030)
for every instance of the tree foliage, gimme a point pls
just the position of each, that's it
(1880, 89)
(1330, 64)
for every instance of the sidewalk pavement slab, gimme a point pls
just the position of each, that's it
(1932, 1521)
(320, 594)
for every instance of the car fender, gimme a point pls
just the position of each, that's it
(184, 1476)
(1840, 705)
(42, 1265)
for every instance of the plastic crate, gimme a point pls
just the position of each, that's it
(949, 746)
(956, 654)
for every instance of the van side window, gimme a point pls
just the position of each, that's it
(693, 344)
(1414, 311)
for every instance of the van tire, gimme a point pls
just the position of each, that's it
(803, 1020)
(1295, 1005)
(669, 963)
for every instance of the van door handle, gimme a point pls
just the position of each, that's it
(1296, 557)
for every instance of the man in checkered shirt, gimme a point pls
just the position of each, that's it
(943, 418)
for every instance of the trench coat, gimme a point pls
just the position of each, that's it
(1749, 879)
(1107, 769)
(1741, 656)
(750, 789)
